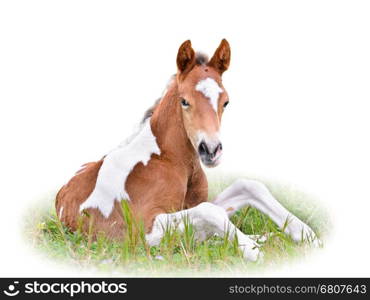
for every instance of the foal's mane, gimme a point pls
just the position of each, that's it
(200, 59)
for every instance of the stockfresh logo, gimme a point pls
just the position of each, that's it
(12, 289)
(67, 288)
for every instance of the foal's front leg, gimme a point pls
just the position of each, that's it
(207, 219)
(253, 193)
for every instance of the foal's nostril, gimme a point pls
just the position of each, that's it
(218, 148)
(210, 154)
(203, 149)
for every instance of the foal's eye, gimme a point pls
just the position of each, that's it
(184, 103)
(226, 103)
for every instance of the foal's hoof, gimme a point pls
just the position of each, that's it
(316, 242)
(252, 254)
(301, 232)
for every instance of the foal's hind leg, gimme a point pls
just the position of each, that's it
(207, 219)
(253, 193)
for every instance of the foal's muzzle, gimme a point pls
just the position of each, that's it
(210, 153)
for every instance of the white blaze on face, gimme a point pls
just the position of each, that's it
(117, 165)
(210, 89)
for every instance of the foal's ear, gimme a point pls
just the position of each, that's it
(221, 59)
(185, 57)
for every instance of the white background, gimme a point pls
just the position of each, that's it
(76, 76)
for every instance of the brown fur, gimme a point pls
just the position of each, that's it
(172, 181)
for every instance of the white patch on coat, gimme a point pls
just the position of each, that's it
(60, 212)
(210, 89)
(136, 130)
(117, 165)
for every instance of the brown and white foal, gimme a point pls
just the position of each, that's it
(158, 171)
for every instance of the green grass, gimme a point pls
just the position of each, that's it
(178, 254)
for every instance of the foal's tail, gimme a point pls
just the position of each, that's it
(90, 221)
(75, 192)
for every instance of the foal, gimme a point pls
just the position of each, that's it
(158, 171)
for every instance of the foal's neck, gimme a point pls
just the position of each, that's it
(168, 128)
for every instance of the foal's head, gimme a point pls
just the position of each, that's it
(203, 98)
